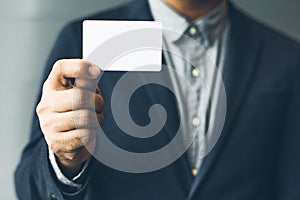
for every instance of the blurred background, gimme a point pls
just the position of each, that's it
(27, 32)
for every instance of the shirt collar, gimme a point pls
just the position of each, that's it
(209, 25)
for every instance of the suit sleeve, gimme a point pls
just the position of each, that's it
(289, 162)
(34, 177)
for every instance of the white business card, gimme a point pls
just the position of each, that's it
(123, 45)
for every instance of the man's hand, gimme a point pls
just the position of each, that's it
(70, 115)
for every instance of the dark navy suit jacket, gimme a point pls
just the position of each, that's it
(256, 157)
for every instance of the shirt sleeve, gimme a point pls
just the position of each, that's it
(61, 177)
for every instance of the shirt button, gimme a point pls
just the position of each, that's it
(52, 197)
(195, 72)
(196, 121)
(192, 30)
(194, 172)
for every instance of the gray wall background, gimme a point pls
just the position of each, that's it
(27, 32)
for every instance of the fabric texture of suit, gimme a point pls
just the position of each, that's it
(256, 157)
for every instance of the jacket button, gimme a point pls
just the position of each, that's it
(52, 197)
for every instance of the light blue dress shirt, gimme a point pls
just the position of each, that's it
(179, 36)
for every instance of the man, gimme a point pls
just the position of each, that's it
(256, 156)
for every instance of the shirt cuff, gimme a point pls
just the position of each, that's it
(61, 177)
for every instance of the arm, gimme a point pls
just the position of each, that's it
(34, 177)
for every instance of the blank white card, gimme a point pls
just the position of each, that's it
(123, 45)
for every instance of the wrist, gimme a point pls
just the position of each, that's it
(70, 170)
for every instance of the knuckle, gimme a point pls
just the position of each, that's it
(45, 86)
(57, 66)
(44, 103)
(44, 119)
(53, 142)
(79, 66)
(39, 109)
(81, 63)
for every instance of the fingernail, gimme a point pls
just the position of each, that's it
(94, 71)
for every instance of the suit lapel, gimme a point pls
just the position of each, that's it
(242, 52)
